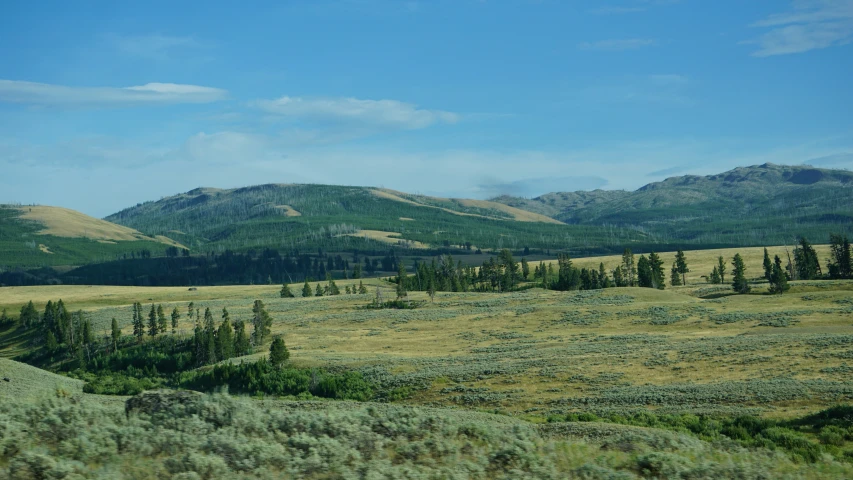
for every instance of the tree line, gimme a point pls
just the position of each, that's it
(61, 332)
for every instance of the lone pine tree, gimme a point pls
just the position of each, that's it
(681, 264)
(278, 352)
(768, 265)
(739, 282)
(675, 277)
(778, 278)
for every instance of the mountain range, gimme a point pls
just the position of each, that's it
(757, 205)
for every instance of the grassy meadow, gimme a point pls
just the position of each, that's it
(537, 353)
(527, 384)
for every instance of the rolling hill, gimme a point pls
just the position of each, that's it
(749, 206)
(745, 206)
(308, 217)
(36, 236)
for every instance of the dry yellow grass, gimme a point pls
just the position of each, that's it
(518, 214)
(541, 346)
(391, 238)
(288, 211)
(64, 222)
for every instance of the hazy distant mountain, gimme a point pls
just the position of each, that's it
(748, 204)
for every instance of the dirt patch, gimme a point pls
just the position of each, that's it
(392, 238)
(288, 211)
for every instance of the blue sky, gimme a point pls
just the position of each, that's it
(106, 104)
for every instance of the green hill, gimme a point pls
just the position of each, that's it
(41, 236)
(342, 218)
(745, 206)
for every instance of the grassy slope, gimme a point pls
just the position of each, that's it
(29, 383)
(51, 236)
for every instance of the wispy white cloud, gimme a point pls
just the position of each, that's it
(614, 45)
(809, 25)
(835, 160)
(45, 94)
(377, 113)
(154, 46)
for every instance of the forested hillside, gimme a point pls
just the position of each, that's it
(337, 218)
(745, 206)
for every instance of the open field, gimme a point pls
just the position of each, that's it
(540, 353)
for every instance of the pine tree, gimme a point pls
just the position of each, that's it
(768, 266)
(29, 315)
(805, 258)
(209, 337)
(198, 342)
(63, 329)
(739, 283)
(49, 319)
(675, 276)
(152, 321)
(658, 277)
(225, 340)
(618, 278)
(629, 270)
(318, 292)
(525, 268)
(50, 344)
(644, 272)
(138, 322)
(347, 290)
(681, 264)
(191, 312)
(176, 316)
(603, 279)
(715, 276)
(356, 270)
(332, 286)
(115, 333)
(278, 352)
(286, 292)
(162, 326)
(361, 288)
(840, 263)
(306, 290)
(401, 281)
(778, 278)
(241, 339)
(261, 322)
(721, 268)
